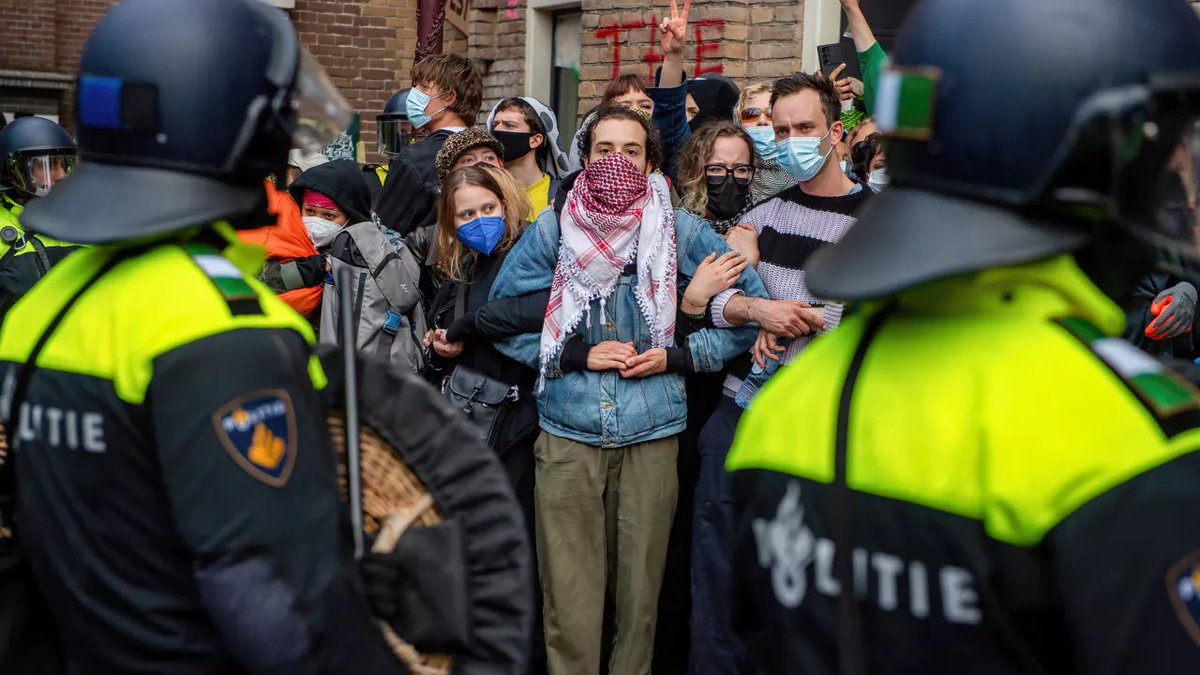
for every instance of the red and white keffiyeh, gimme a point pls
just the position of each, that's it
(613, 214)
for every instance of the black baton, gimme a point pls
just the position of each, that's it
(345, 282)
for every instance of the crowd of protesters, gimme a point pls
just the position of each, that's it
(626, 292)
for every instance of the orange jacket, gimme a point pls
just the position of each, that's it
(285, 241)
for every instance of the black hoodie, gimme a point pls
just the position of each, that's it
(341, 181)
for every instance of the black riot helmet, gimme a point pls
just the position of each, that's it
(392, 128)
(35, 154)
(1048, 130)
(183, 107)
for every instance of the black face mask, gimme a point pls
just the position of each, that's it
(516, 143)
(727, 198)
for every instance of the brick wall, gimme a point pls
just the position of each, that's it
(496, 45)
(366, 46)
(745, 42)
(29, 32)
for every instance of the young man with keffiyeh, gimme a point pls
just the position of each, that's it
(611, 391)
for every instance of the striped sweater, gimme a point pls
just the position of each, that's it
(791, 227)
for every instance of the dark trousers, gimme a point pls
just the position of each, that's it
(28, 637)
(714, 648)
(673, 639)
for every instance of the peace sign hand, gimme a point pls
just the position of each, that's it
(674, 28)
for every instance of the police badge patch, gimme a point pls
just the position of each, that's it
(258, 431)
(1183, 585)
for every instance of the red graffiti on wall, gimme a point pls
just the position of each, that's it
(614, 34)
(709, 46)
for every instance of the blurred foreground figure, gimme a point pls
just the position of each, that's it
(971, 475)
(175, 482)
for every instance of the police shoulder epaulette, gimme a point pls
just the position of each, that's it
(226, 277)
(1173, 401)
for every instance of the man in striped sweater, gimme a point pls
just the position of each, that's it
(819, 210)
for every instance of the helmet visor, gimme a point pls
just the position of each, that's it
(394, 134)
(321, 112)
(37, 174)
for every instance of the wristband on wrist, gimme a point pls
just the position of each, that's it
(750, 310)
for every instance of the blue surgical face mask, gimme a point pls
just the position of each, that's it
(415, 106)
(845, 164)
(801, 156)
(764, 141)
(482, 234)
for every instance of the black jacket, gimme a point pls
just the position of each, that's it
(341, 181)
(478, 327)
(408, 199)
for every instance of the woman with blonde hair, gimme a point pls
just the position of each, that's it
(753, 113)
(716, 171)
(480, 213)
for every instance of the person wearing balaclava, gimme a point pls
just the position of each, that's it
(528, 131)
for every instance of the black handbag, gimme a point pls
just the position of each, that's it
(481, 398)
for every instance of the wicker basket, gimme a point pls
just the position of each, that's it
(394, 499)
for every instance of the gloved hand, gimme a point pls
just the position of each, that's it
(1175, 309)
(421, 588)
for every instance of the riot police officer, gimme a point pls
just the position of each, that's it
(176, 490)
(973, 475)
(393, 134)
(35, 154)
(392, 127)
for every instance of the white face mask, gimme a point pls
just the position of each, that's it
(878, 179)
(321, 231)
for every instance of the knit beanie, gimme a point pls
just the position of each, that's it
(459, 143)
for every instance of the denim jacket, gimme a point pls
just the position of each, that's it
(600, 408)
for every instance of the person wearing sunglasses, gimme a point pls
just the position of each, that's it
(753, 112)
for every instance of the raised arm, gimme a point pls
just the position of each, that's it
(673, 36)
(864, 39)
